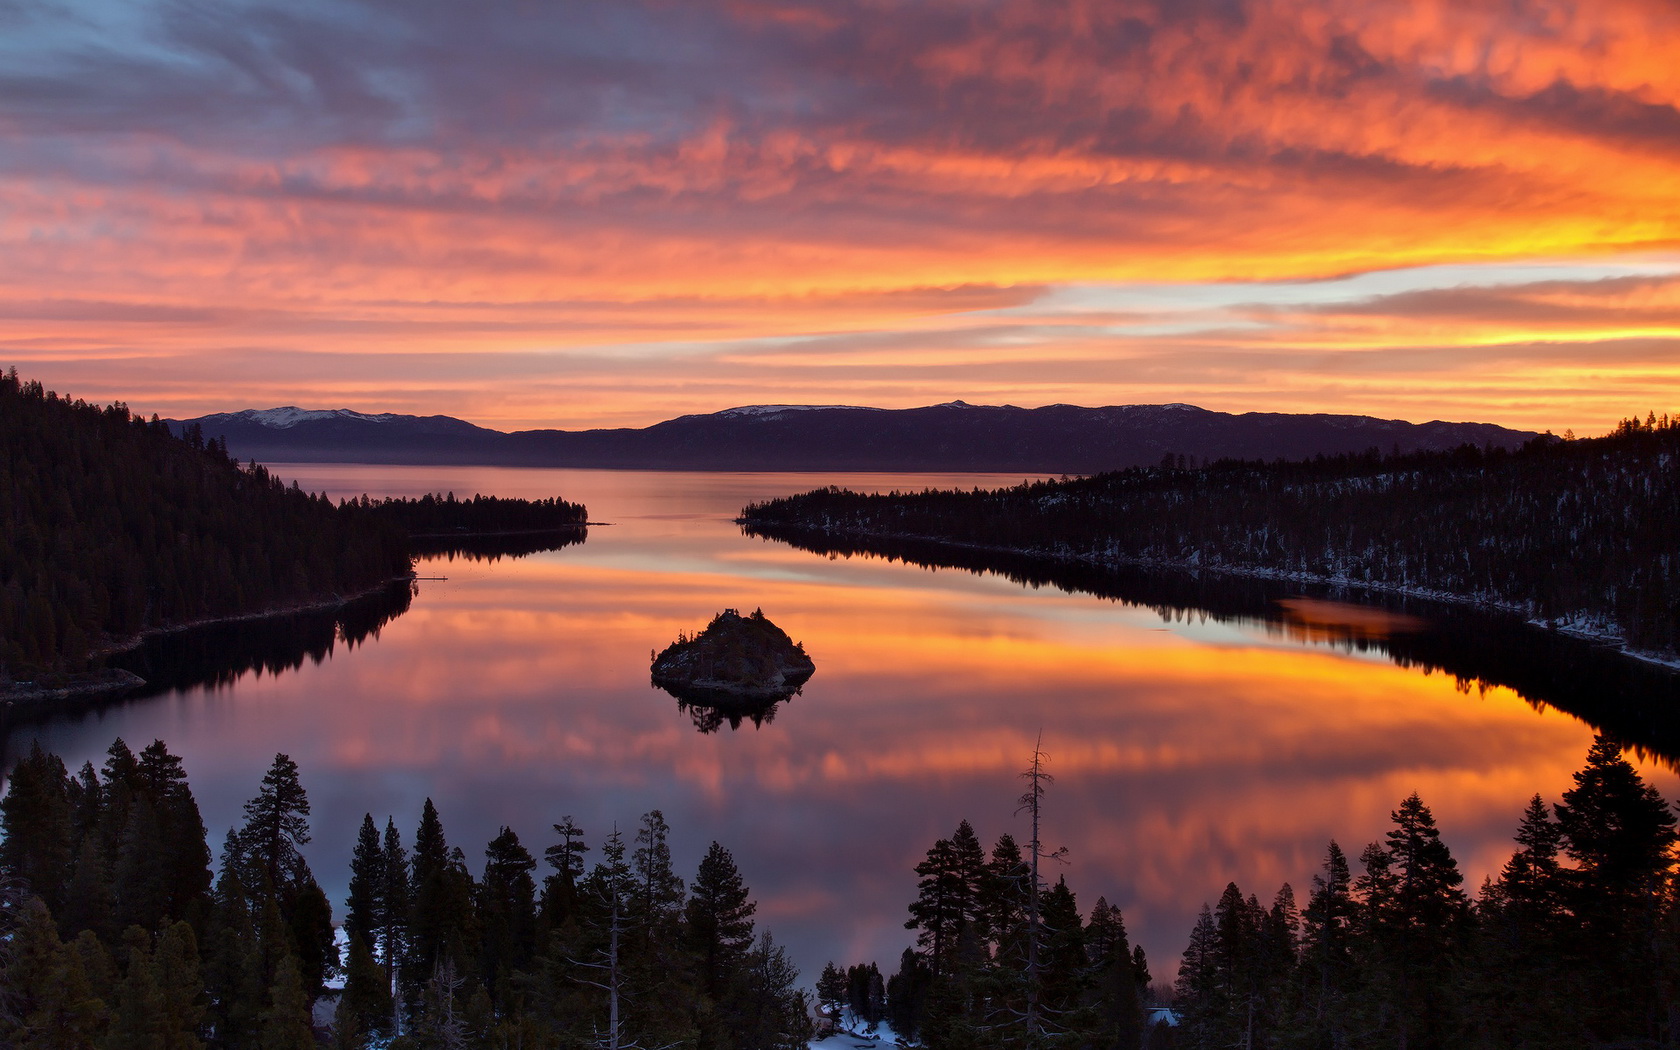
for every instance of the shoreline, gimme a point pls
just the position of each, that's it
(1582, 627)
(63, 686)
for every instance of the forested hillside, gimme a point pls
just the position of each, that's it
(116, 933)
(443, 516)
(1585, 531)
(1574, 943)
(112, 526)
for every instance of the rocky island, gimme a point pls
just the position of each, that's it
(737, 660)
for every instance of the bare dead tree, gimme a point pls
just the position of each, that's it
(1031, 802)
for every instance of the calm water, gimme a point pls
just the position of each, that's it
(1187, 753)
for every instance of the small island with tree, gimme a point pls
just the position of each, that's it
(737, 660)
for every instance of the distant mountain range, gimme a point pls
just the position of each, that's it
(957, 436)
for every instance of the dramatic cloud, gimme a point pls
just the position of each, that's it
(639, 208)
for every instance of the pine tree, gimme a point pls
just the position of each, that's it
(365, 1007)
(285, 1024)
(180, 982)
(952, 899)
(508, 913)
(442, 924)
(276, 826)
(1621, 835)
(719, 922)
(1117, 994)
(394, 904)
(182, 854)
(363, 911)
(1202, 999)
(831, 993)
(36, 818)
(138, 1014)
(559, 897)
(659, 891)
(774, 1014)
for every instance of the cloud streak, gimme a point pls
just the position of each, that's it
(581, 182)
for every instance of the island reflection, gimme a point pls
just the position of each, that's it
(1191, 746)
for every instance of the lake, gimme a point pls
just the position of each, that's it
(1189, 749)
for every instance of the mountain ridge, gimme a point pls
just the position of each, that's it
(955, 436)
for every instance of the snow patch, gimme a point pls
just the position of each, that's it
(290, 416)
(776, 410)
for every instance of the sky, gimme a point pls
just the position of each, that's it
(570, 213)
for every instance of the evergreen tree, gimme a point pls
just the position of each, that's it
(508, 913)
(285, 1024)
(138, 1015)
(559, 897)
(831, 993)
(1117, 995)
(907, 994)
(1064, 960)
(719, 922)
(1005, 886)
(773, 1012)
(276, 826)
(365, 1007)
(953, 881)
(364, 910)
(310, 927)
(394, 903)
(1621, 835)
(180, 855)
(36, 817)
(659, 891)
(175, 964)
(443, 924)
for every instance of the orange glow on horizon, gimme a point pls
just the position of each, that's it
(618, 265)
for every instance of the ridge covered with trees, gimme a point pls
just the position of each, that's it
(441, 515)
(1575, 943)
(113, 527)
(1576, 532)
(115, 932)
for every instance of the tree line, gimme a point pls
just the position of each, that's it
(1575, 943)
(118, 933)
(112, 526)
(1002, 957)
(1580, 531)
(441, 515)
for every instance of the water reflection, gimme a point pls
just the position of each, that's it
(1317, 620)
(496, 547)
(1192, 745)
(1636, 702)
(709, 713)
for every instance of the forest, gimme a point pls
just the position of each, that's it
(118, 933)
(1572, 532)
(114, 527)
(441, 515)
(1575, 943)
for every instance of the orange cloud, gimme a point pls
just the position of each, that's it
(620, 206)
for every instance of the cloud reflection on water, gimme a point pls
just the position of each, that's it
(517, 691)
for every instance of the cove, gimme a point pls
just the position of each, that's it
(1198, 735)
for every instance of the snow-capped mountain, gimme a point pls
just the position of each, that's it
(955, 436)
(290, 416)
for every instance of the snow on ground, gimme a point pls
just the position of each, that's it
(856, 1035)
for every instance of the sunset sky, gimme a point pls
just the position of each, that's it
(581, 213)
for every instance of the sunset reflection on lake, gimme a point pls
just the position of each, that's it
(1187, 752)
